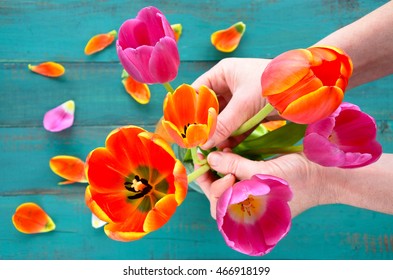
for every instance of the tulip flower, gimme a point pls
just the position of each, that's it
(147, 47)
(139, 91)
(346, 139)
(227, 40)
(307, 85)
(189, 117)
(30, 218)
(60, 117)
(68, 167)
(99, 42)
(135, 183)
(254, 215)
(48, 69)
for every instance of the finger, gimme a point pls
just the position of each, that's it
(225, 163)
(214, 79)
(217, 189)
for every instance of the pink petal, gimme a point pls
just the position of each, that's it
(320, 150)
(60, 118)
(156, 21)
(133, 33)
(276, 221)
(165, 60)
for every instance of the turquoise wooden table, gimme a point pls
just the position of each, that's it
(35, 31)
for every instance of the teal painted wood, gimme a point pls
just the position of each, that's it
(59, 30)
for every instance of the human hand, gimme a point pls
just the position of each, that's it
(237, 83)
(306, 179)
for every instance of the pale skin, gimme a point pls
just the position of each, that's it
(369, 43)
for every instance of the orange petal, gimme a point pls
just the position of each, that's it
(160, 214)
(326, 99)
(197, 134)
(49, 69)
(181, 182)
(30, 218)
(173, 132)
(99, 42)
(95, 208)
(227, 40)
(70, 168)
(177, 29)
(184, 106)
(160, 130)
(139, 91)
(112, 231)
(206, 99)
(273, 125)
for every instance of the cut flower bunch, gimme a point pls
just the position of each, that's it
(137, 181)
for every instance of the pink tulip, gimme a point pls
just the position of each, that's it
(147, 47)
(346, 139)
(254, 215)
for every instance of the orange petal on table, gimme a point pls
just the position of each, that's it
(30, 218)
(70, 168)
(139, 91)
(99, 42)
(49, 69)
(227, 40)
(177, 29)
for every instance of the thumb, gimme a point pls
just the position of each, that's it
(225, 163)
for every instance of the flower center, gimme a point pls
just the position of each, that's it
(139, 187)
(184, 134)
(247, 206)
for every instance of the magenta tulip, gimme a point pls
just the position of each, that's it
(346, 139)
(147, 47)
(254, 215)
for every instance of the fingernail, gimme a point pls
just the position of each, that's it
(214, 159)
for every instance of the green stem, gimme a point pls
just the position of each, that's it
(195, 158)
(198, 172)
(255, 120)
(168, 87)
(272, 150)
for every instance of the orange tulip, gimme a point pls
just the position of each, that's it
(177, 29)
(139, 91)
(227, 40)
(30, 218)
(135, 183)
(189, 117)
(307, 85)
(70, 168)
(49, 69)
(99, 42)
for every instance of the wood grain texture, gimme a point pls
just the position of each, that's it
(36, 31)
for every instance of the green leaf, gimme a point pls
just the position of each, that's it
(281, 140)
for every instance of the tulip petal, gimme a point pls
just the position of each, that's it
(99, 42)
(227, 40)
(95, 208)
(97, 222)
(135, 62)
(113, 232)
(164, 61)
(160, 214)
(197, 134)
(60, 117)
(68, 167)
(48, 69)
(30, 218)
(139, 91)
(298, 111)
(206, 99)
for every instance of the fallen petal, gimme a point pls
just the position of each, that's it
(60, 118)
(227, 40)
(139, 91)
(177, 29)
(97, 222)
(99, 42)
(68, 167)
(30, 218)
(49, 69)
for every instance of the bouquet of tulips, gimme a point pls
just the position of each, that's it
(137, 180)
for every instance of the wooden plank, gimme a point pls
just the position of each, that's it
(101, 99)
(59, 30)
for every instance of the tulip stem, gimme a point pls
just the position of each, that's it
(255, 120)
(168, 87)
(195, 158)
(198, 172)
